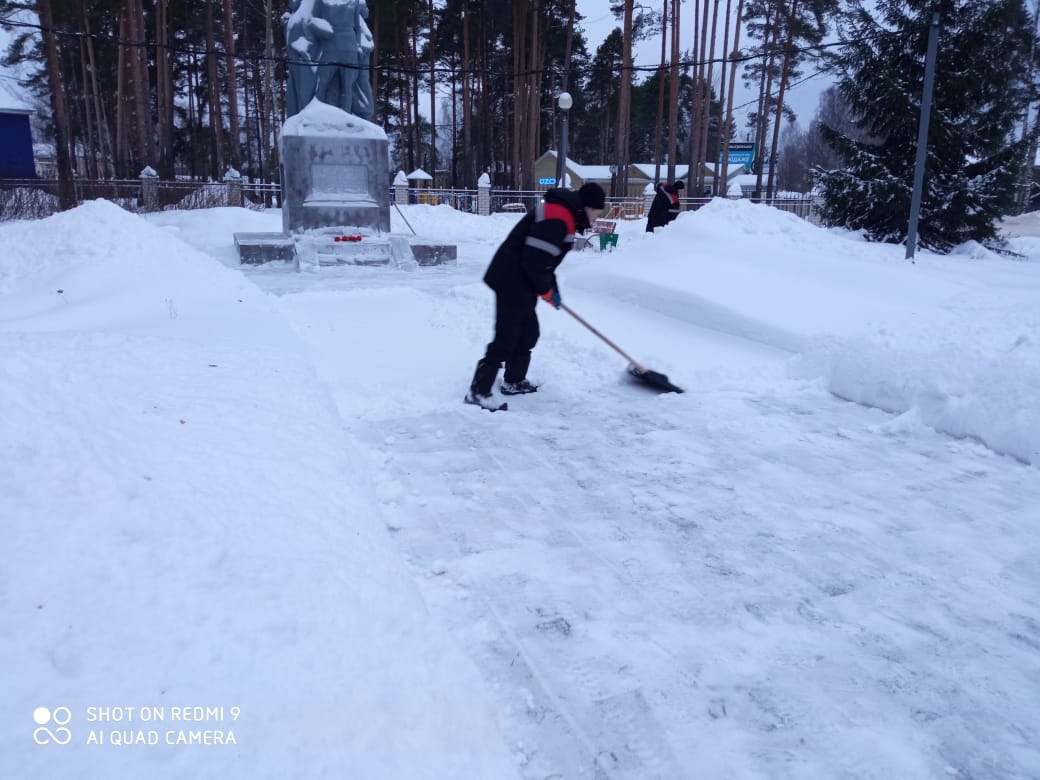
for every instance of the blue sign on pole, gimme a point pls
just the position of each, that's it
(547, 181)
(741, 154)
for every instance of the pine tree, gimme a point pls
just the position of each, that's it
(981, 92)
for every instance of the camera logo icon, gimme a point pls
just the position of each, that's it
(59, 719)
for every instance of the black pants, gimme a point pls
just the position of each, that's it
(516, 333)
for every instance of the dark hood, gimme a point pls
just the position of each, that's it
(570, 199)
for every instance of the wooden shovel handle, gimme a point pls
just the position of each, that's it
(614, 346)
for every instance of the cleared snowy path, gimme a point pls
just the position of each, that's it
(750, 580)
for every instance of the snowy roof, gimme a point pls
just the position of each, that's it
(647, 169)
(597, 173)
(589, 172)
(644, 169)
(13, 101)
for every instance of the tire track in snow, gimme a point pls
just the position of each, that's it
(606, 714)
(818, 578)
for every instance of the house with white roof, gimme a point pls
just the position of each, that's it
(639, 174)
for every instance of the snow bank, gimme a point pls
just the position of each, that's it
(187, 527)
(221, 224)
(960, 383)
(952, 341)
(444, 223)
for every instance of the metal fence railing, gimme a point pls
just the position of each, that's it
(525, 200)
(460, 200)
(37, 198)
(804, 207)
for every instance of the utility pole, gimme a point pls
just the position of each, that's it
(922, 136)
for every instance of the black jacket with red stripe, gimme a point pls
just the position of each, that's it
(665, 207)
(526, 261)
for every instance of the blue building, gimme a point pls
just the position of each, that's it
(16, 149)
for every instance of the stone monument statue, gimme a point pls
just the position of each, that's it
(340, 57)
(329, 50)
(364, 105)
(330, 47)
(335, 162)
(302, 44)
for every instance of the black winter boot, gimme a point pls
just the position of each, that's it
(523, 387)
(484, 378)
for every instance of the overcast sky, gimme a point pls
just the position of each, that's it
(803, 98)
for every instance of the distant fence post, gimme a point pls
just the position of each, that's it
(233, 182)
(484, 195)
(401, 189)
(149, 189)
(648, 198)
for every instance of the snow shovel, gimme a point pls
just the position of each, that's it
(643, 374)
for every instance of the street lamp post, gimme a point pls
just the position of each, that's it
(564, 101)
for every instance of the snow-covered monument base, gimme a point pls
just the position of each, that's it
(335, 198)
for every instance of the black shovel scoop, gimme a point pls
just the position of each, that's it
(652, 378)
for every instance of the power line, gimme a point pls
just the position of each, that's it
(684, 64)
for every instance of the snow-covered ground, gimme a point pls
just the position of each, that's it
(260, 489)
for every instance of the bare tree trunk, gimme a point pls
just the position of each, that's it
(91, 139)
(414, 118)
(519, 83)
(568, 47)
(267, 120)
(469, 174)
(703, 155)
(404, 98)
(133, 117)
(145, 128)
(673, 94)
(702, 101)
(704, 104)
(216, 118)
(402, 101)
(788, 54)
(164, 89)
(696, 104)
(658, 128)
(624, 120)
(106, 162)
(62, 153)
(728, 124)
(1026, 179)
(720, 188)
(194, 112)
(538, 55)
(252, 87)
(250, 82)
(454, 127)
(485, 96)
(433, 100)
(765, 100)
(234, 143)
(122, 134)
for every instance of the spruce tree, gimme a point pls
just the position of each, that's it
(981, 92)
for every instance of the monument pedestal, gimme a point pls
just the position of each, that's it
(335, 185)
(335, 171)
(260, 248)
